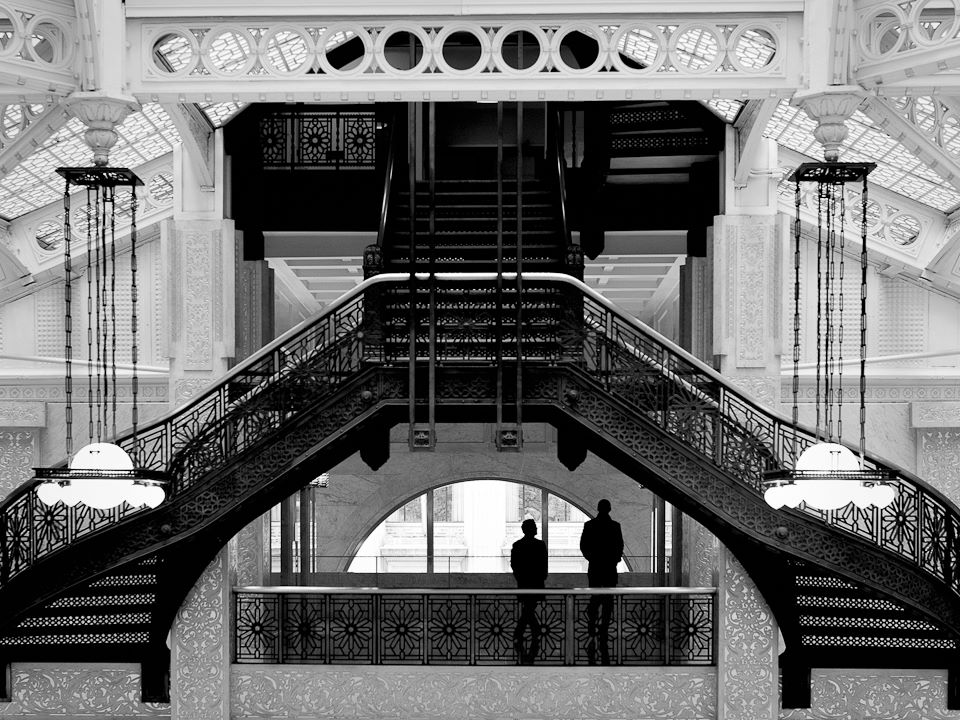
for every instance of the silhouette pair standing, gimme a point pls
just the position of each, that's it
(528, 560)
(602, 545)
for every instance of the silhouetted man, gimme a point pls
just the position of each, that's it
(528, 559)
(602, 545)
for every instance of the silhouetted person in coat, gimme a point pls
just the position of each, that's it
(528, 559)
(602, 545)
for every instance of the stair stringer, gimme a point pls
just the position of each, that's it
(761, 537)
(187, 532)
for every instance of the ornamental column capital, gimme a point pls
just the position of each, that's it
(830, 110)
(101, 114)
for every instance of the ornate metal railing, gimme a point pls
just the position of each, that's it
(349, 626)
(580, 330)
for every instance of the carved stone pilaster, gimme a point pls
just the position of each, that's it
(747, 302)
(938, 457)
(101, 114)
(200, 272)
(200, 651)
(701, 554)
(19, 454)
(830, 110)
(747, 664)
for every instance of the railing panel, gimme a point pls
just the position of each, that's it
(344, 626)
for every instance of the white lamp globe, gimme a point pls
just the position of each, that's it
(154, 495)
(70, 494)
(101, 456)
(827, 457)
(883, 495)
(49, 493)
(136, 494)
(775, 495)
(107, 492)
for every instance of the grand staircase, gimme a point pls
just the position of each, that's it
(846, 586)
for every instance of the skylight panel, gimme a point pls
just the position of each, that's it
(220, 113)
(726, 109)
(898, 169)
(34, 183)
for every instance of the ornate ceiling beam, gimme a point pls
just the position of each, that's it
(361, 60)
(387, 8)
(29, 79)
(749, 126)
(35, 130)
(196, 133)
(900, 42)
(923, 144)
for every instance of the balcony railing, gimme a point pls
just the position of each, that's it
(371, 626)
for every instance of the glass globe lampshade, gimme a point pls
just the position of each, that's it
(102, 492)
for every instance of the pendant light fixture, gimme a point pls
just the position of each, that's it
(101, 474)
(827, 474)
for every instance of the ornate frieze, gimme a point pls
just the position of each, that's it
(941, 414)
(73, 690)
(464, 58)
(748, 648)
(18, 455)
(476, 692)
(23, 414)
(876, 695)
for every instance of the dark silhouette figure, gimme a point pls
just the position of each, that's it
(602, 545)
(528, 559)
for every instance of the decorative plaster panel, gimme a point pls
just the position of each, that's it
(18, 455)
(939, 459)
(473, 692)
(902, 319)
(943, 414)
(74, 690)
(748, 648)
(23, 414)
(198, 308)
(747, 291)
(200, 662)
(876, 695)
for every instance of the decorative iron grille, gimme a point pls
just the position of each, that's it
(467, 627)
(320, 140)
(656, 380)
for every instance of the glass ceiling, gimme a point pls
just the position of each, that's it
(143, 136)
(898, 169)
(150, 133)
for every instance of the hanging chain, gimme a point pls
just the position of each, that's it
(90, 325)
(67, 320)
(113, 309)
(842, 233)
(863, 319)
(104, 406)
(796, 315)
(133, 319)
(831, 308)
(819, 302)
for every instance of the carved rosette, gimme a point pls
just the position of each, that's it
(101, 114)
(747, 664)
(830, 110)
